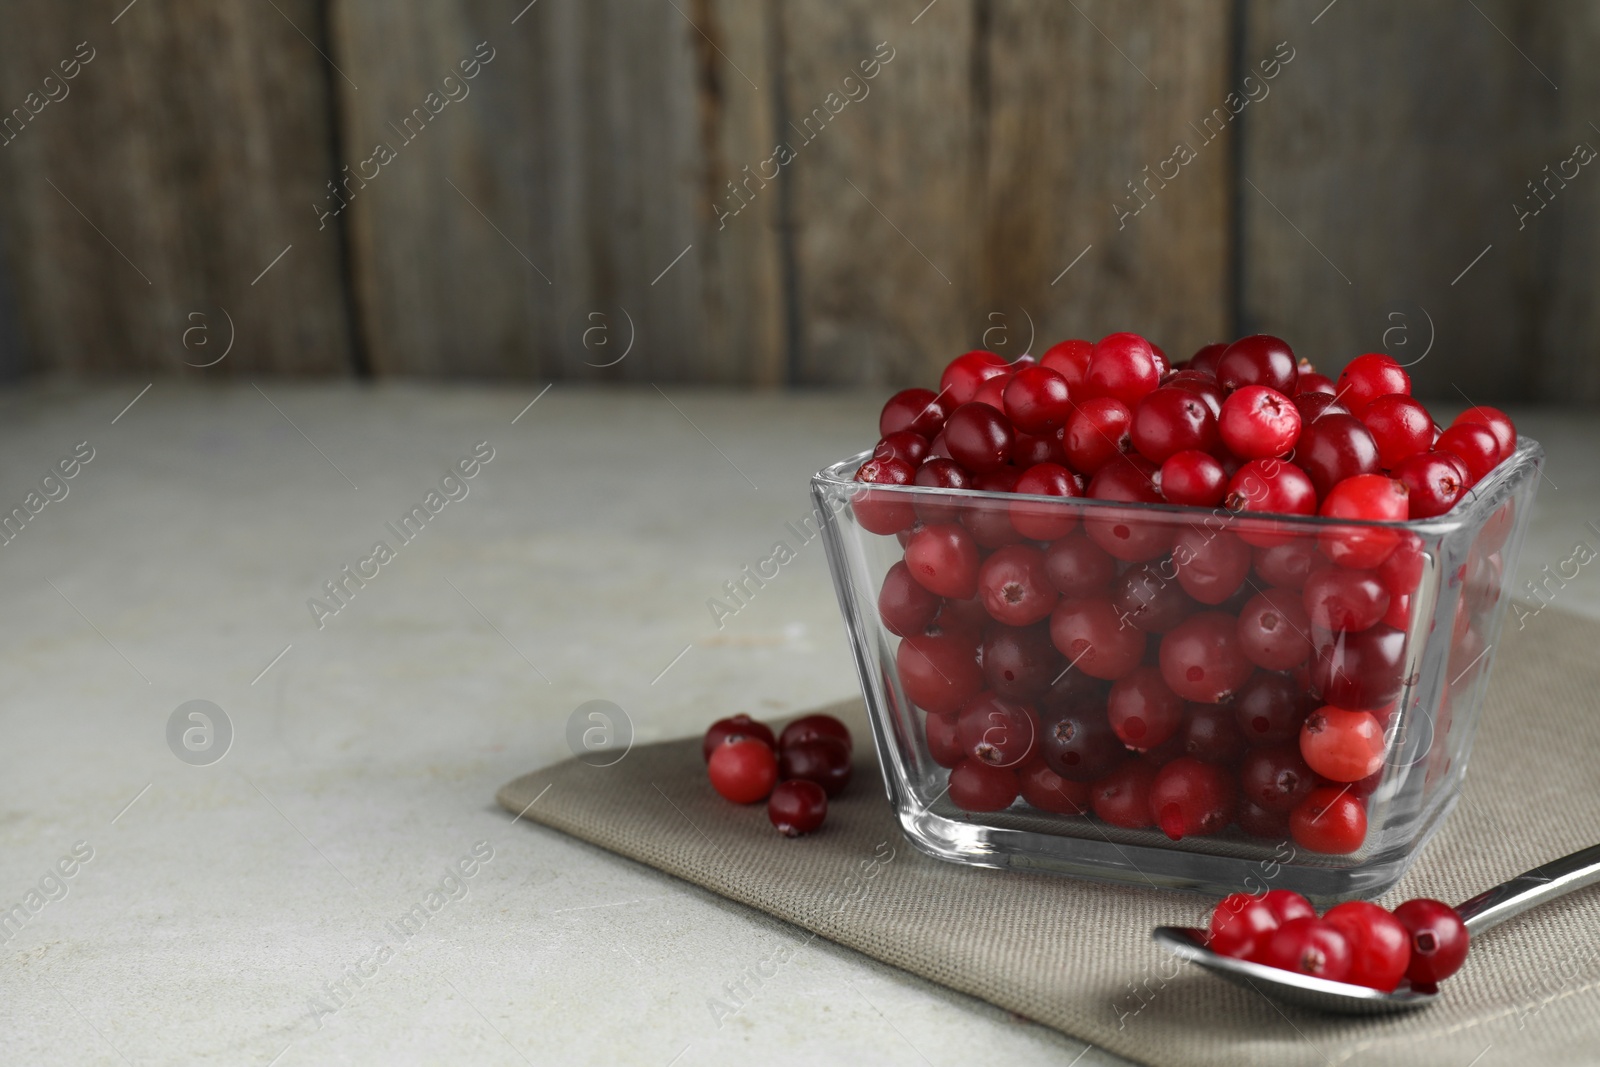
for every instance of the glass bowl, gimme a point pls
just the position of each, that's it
(1147, 591)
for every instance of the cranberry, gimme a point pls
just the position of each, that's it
(1070, 359)
(1147, 597)
(939, 672)
(997, 731)
(1360, 669)
(1331, 820)
(943, 558)
(1078, 743)
(1271, 486)
(1308, 946)
(823, 760)
(1380, 946)
(1048, 791)
(1192, 799)
(940, 473)
(1201, 385)
(1274, 630)
(1401, 427)
(1211, 564)
(1078, 567)
(1122, 367)
(1258, 360)
(943, 744)
(961, 380)
(797, 807)
(1259, 423)
(1210, 733)
(880, 512)
(1238, 925)
(1287, 905)
(1096, 433)
(905, 607)
(978, 437)
(905, 446)
(1128, 534)
(1338, 598)
(743, 771)
(1014, 586)
(1434, 482)
(1019, 662)
(734, 728)
(1496, 422)
(1036, 400)
(1028, 449)
(1286, 564)
(1122, 798)
(1168, 420)
(1193, 478)
(990, 523)
(1312, 382)
(1475, 445)
(1201, 658)
(1438, 940)
(1368, 377)
(1275, 777)
(1206, 357)
(1089, 632)
(1259, 822)
(1142, 710)
(1313, 406)
(1335, 447)
(918, 411)
(993, 391)
(1044, 522)
(1269, 709)
(976, 786)
(1370, 498)
(812, 727)
(1342, 745)
(963, 618)
(1071, 690)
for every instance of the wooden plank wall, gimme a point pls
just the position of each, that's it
(720, 184)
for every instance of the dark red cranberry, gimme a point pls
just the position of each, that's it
(1358, 670)
(743, 771)
(1286, 564)
(943, 558)
(1014, 587)
(1339, 598)
(1048, 791)
(939, 672)
(978, 437)
(1269, 709)
(1192, 799)
(1211, 564)
(1036, 400)
(990, 522)
(1028, 449)
(1122, 797)
(1201, 658)
(823, 760)
(1274, 630)
(1195, 479)
(1275, 777)
(1019, 662)
(1142, 710)
(1474, 444)
(812, 727)
(734, 728)
(1205, 358)
(1259, 822)
(906, 446)
(1089, 632)
(905, 607)
(1079, 744)
(998, 731)
(939, 473)
(1312, 382)
(797, 807)
(1170, 420)
(1313, 406)
(1496, 422)
(1123, 366)
(976, 786)
(1258, 360)
(1210, 734)
(1079, 567)
(1333, 448)
(1044, 522)
(1434, 482)
(1148, 597)
(943, 744)
(1097, 432)
(1128, 534)
(1439, 940)
(918, 411)
(1201, 384)
(881, 512)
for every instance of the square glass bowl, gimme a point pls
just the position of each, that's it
(1420, 673)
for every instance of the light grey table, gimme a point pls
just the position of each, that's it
(300, 901)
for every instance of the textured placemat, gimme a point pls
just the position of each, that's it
(1077, 955)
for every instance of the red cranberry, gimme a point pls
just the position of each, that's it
(1071, 690)
(966, 374)
(939, 672)
(1271, 486)
(1036, 400)
(1275, 777)
(1338, 598)
(1475, 445)
(998, 731)
(1313, 406)
(1311, 382)
(1123, 367)
(976, 786)
(1496, 422)
(1206, 357)
(1070, 359)
(1147, 597)
(1192, 799)
(905, 446)
(1239, 923)
(1258, 360)
(1211, 734)
(1438, 940)
(1015, 587)
(743, 771)
(1044, 522)
(734, 728)
(1089, 632)
(1274, 630)
(797, 807)
(1434, 482)
(1331, 820)
(1097, 432)
(1287, 905)
(1168, 420)
(963, 618)
(812, 727)
(943, 744)
(1380, 946)
(919, 411)
(943, 558)
(1269, 709)
(1201, 385)
(1308, 946)
(1048, 791)
(1360, 669)
(1142, 710)
(880, 512)
(1342, 745)
(1028, 450)
(1122, 797)
(993, 391)
(1128, 534)
(1286, 564)
(1369, 498)
(1335, 447)
(990, 523)
(823, 760)
(1259, 423)
(1019, 662)
(1078, 743)
(1201, 659)
(1401, 427)
(978, 437)
(905, 607)
(1193, 478)
(1211, 564)
(1368, 377)
(1259, 822)
(940, 473)
(1079, 567)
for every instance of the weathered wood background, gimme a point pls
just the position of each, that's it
(1011, 175)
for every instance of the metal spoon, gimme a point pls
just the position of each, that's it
(1482, 913)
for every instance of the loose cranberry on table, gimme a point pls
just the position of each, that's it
(743, 771)
(735, 728)
(812, 727)
(797, 807)
(823, 760)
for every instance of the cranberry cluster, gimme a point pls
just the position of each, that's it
(796, 773)
(1185, 670)
(1422, 940)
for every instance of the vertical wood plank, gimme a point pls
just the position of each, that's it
(568, 184)
(178, 164)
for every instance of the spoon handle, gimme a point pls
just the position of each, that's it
(1546, 882)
